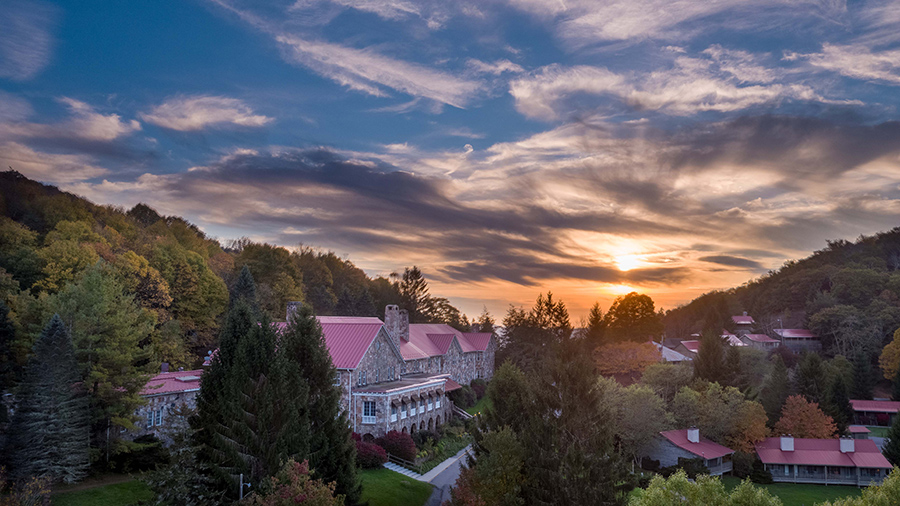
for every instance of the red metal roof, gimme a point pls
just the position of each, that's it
(173, 382)
(743, 320)
(420, 344)
(796, 333)
(478, 340)
(705, 448)
(875, 406)
(761, 338)
(822, 452)
(347, 337)
(451, 385)
(441, 341)
(858, 429)
(693, 346)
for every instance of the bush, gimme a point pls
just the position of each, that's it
(370, 455)
(422, 436)
(398, 444)
(463, 397)
(649, 464)
(692, 467)
(742, 464)
(479, 386)
(145, 453)
(759, 474)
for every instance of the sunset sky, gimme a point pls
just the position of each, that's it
(506, 147)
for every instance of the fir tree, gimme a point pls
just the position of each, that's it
(49, 434)
(863, 377)
(776, 389)
(7, 357)
(838, 405)
(332, 451)
(732, 366)
(710, 361)
(596, 326)
(811, 379)
(244, 289)
(891, 449)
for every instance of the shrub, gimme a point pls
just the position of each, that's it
(370, 455)
(293, 485)
(145, 453)
(398, 444)
(422, 436)
(758, 474)
(692, 467)
(463, 397)
(479, 386)
(742, 464)
(649, 464)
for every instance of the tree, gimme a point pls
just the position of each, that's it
(146, 283)
(710, 361)
(244, 289)
(722, 414)
(485, 322)
(107, 328)
(666, 379)
(332, 451)
(294, 485)
(891, 449)
(640, 418)
(748, 427)
(844, 329)
(496, 477)
(804, 419)
(776, 389)
(625, 357)
(732, 366)
(863, 377)
(895, 390)
(838, 406)
(885, 494)
(678, 490)
(49, 435)
(7, 352)
(530, 335)
(414, 296)
(812, 381)
(632, 317)
(596, 326)
(890, 357)
(511, 396)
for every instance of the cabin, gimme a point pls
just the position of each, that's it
(671, 447)
(845, 461)
(874, 413)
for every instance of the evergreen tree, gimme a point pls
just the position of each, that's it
(891, 449)
(332, 451)
(596, 326)
(244, 289)
(355, 302)
(732, 366)
(811, 378)
(710, 361)
(895, 391)
(414, 296)
(7, 356)
(838, 405)
(776, 389)
(485, 322)
(863, 377)
(49, 434)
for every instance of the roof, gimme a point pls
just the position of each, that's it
(431, 340)
(173, 382)
(733, 340)
(743, 320)
(822, 452)
(451, 385)
(347, 337)
(761, 338)
(796, 333)
(875, 406)
(858, 429)
(693, 346)
(705, 448)
(670, 355)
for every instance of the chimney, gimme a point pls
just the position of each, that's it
(403, 327)
(392, 322)
(164, 367)
(848, 445)
(787, 443)
(745, 313)
(291, 309)
(693, 435)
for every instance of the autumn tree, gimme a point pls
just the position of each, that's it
(722, 414)
(804, 419)
(294, 484)
(632, 317)
(625, 357)
(890, 357)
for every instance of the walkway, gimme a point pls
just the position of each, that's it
(444, 476)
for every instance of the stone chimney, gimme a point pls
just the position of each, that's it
(848, 445)
(693, 435)
(745, 313)
(291, 309)
(164, 367)
(787, 443)
(403, 327)
(396, 321)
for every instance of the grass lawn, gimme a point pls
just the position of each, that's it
(800, 494)
(383, 487)
(878, 431)
(117, 494)
(479, 406)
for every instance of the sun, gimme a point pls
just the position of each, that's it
(620, 289)
(628, 262)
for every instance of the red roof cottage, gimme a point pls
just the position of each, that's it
(844, 461)
(674, 445)
(878, 413)
(164, 393)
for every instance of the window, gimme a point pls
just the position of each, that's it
(337, 379)
(422, 406)
(364, 377)
(437, 402)
(149, 418)
(430, 404)
(159, 416)
(403, 410)
(368, 412)
(393, 412)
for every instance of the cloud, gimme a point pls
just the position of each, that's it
(83, 123)
(494, 68)
(188, 113)
(47, 167)
(732, 261)
(857, 61)
(26, 43)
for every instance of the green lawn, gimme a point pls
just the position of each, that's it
(383, 487)
(479, 406)
(119, 494)
(878, 431)
(800, 494)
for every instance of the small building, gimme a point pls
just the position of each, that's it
(859, 431)
(799, 339)
(844, 461)
(667, 354)
(760, 341)
(743, 324)
(164, 393)
(874, 413)
(671, 445)
(689, 348)
(731, 339)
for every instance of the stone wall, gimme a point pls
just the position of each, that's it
(380, 364)
(161, 407)
(383, 411)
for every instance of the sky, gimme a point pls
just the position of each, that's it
(506, 147)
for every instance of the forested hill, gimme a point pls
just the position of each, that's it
(178, 276)
(848, 293)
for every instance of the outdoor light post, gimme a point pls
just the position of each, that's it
(241, 494)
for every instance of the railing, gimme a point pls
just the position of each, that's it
(461, 413)
(393, 417)
(368, 419)
(404, 463)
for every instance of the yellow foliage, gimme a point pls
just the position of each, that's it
(890, 357)
(625, 357)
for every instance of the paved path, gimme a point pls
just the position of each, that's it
(444, 476)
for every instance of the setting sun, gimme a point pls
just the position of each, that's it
(628, 262)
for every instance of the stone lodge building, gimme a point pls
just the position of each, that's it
(164, 393)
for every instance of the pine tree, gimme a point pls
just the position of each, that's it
(596, 326)
(244, 289)
(891, 449)
(775, 390)
(863, 377)
(7, 357)
(332, 451)
(732, 366)
(710, 361)
(485, 322)
(49, 434)
(811, 379)
(838, 405)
